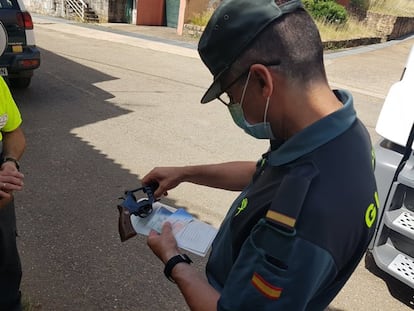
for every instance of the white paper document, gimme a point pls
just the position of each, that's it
(191, 234)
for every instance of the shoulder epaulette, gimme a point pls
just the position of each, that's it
(289, 198)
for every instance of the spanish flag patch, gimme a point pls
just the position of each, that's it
(267, 289)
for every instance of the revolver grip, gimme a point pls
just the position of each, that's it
(126, 231)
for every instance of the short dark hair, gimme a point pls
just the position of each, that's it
(295, 42)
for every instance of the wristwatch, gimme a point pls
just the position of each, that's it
(9, 159)
(172, 262)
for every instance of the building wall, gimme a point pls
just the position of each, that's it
(47, 7)
(57, 8)
(101, 9)
(116, 11)
(112, 11)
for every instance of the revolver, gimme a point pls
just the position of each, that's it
(131, 206)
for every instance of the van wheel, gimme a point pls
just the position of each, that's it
(20, 83)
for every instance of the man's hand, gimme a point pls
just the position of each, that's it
(10, 180)
(166, 177)
(233, 176)
(163, 245)
(198, 293)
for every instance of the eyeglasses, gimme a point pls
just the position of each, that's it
(224, 97)
(228, 100)
(143, 207)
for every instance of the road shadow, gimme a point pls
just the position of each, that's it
(67, 217)
(397, 289)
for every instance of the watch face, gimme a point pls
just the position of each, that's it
(186, 258)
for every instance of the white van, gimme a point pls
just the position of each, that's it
(393, 244)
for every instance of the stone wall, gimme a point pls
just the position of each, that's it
(390, 27)
(344, 44)
(193, 30)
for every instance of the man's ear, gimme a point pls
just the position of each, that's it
(262, 74)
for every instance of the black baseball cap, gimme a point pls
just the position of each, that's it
(231, 28)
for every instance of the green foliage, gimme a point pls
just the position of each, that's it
(327, 10)
(202, 18)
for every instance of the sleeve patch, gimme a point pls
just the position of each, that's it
(281, 218)
(265, 288)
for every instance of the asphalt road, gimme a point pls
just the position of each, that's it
(102, 110)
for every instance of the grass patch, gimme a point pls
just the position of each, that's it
(354, 28)
(393, 7)
(201, 19)
(350, 30)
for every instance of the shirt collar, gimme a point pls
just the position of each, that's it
(316, 134)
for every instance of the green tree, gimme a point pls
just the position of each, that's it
(327, 10)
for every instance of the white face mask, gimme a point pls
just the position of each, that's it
(260, 130)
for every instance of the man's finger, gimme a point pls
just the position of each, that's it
(153, 233)
(166, 227)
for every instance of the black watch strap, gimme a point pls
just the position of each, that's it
(9, 159)
(172, 262)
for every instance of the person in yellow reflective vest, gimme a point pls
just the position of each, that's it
(11, 179)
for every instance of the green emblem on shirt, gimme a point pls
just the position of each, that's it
(242, 206)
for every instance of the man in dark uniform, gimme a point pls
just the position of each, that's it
(307, 208)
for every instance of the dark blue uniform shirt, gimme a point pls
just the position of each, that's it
(320, 186)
